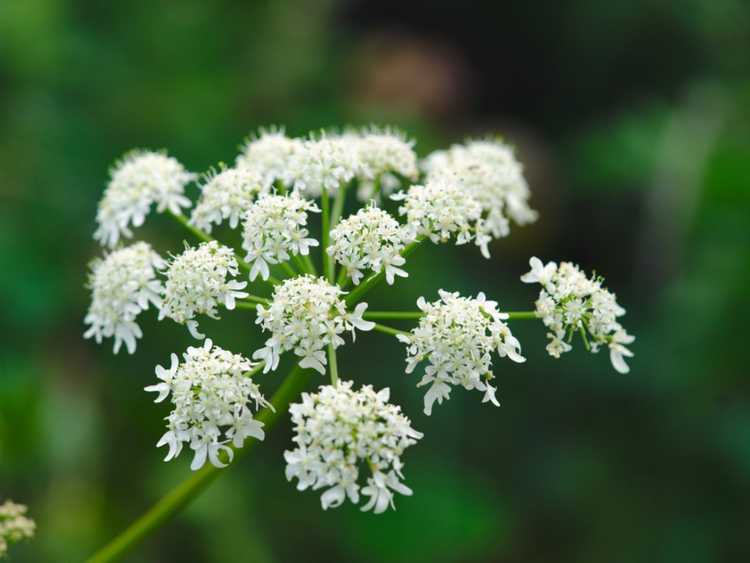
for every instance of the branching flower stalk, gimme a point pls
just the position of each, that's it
(308, 299)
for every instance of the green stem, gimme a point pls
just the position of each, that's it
(374, 315)
(251, 301)
(300, 264)
(310, 265)
(333, 365)
(288, 269)
(325, 226)
(360, 291)
(184, 493)
(521, 315)
(342, 280)
(388, 330)
(338, 205)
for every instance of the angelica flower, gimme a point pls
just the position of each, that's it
(370, 240)
(139, 179)
(213, 402)
(489, 172)
(326, 163)
(14, 525)
(571, 303)
(340, 432)
(306, 315)
(122, 284)
(457, 336)
(274, 228)
(270, 154)
(197, 284)
(226, 196)
(441, 209)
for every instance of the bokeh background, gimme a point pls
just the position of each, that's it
(633, 119)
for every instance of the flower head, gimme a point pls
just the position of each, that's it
(370, 240)
(138, 180)
(325, 163)
(306, 315)
(489, 172)
(226, 196)
(457, 336)
(197, 284)
(570, 303)
(122, 284)
(14, 525)
(213, 401)
(340, 432)
(274, 228)
(270, 154)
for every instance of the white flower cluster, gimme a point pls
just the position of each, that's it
(14, 525)
(139, 179)
(370, 240)
(274, 228)
(337, 432)
(324, 164)
(489, 172)
(122, 285)
(226, 196)
(197, 283)
(306, 315)
(458, 335)
(270, 154)
(441, 209)
(571, 303)
(213, 402)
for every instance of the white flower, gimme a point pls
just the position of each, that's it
(122, 285)
(370, 240)
(226, 196)
(306, 315)
(322, 164)
(197, 284)
(569, 303)
(440, 210)
(457, 336)
(270, 154)
(14, 525)
(139, 179)
(340, 432)
(489, 172)
(213, 402)
(274, 228)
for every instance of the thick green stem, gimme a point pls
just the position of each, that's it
(333, 366)
(288, 270)
(374, 315)
(338, 205)
(325, 235)
(184, 493)
(521, 315)
(251, 301)
(388, 330)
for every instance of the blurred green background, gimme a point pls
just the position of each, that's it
(633, 119)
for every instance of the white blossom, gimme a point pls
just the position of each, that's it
(339, 433)
(213, 401)
(138, 180)
(122, 284)
(441, 209)
(370, 240)
(305, 316)
(14, 525)
(198, 281)
(274, 228)
(270, 154)
(457, 336)
(325, 163)
(226, 196)
(489, 172)
(570, 303)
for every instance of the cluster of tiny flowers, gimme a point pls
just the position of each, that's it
(386, 157)
(197, 283)
(571, 303)
(441, 209)
(226, 196)
(458, 335)
(369, 240)
(122, 285)
(324, 165)
(14, 525)
(140, 179)
(489, 172)
(306, 315)
(274, 228)
(269, 154)
(338, 431)
(213, 404)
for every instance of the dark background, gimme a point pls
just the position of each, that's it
(633, 120)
